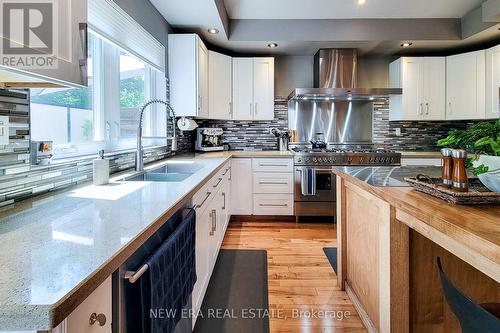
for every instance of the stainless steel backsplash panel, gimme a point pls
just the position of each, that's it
(342, 122)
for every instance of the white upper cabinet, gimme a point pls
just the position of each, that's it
(423, 82)
(253, 88)
(242, 88)
(188, 73)
(263, 88)
(493, 82)
(465, 86)
(219, 86)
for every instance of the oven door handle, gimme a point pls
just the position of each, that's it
(316, 169)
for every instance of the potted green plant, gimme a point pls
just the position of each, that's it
(483, 141)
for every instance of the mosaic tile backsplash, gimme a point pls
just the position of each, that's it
(415, 135)
(252, 135)
(18, 181)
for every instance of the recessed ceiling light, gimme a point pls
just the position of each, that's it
(406, 44)
(361, 2)
(272, 45)
(213, 31)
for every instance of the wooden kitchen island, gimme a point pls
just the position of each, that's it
(388, 242)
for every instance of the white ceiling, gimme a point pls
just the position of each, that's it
(200, 15)
(345, 9)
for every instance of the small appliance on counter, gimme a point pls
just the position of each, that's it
(209, 139)
(41, 152)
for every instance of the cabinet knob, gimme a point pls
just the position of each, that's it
(99, 318)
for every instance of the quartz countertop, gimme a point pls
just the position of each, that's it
(389, 176)
(58, 248)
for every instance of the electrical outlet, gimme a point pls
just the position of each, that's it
(398, 131)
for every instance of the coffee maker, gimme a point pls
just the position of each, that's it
(209, 139)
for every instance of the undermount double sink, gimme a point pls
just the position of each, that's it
(175, 172)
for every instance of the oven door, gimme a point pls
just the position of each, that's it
(324, 185)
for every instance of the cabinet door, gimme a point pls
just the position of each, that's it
(100, 303)
(183, 68)
(202, 80)
(241, 186)
(434, 88)
(220, 85)
(465, 86)
(493, 82)
(202, 257)
(263, 87)
(412, 81)
(243, 88)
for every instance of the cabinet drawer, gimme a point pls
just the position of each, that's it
(100, 303)
(272, 165)
(273, 183)
(273, 204)
(203, 197)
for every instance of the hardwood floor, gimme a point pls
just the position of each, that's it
(301, 281)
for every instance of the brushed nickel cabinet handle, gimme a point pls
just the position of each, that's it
(224, 196)
(263, 182)
(213, 217)
(427, 108)
(421, 110)
(97, 318)
(227, 170)
(220, 179)
(273, 205)
(204, 200)
(271, 164)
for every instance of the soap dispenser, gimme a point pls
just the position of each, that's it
(101, 169)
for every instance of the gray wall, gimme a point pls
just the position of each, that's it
(373, 72)
(292, 72)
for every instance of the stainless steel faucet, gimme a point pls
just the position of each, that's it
(139, 162)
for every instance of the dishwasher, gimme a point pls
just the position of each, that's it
(126, 299)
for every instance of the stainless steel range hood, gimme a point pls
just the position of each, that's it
(335, 78)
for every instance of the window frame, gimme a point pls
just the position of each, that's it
(106, 104)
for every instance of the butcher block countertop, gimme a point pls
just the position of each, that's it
(470, 232)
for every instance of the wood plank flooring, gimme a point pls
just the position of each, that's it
(303, 292)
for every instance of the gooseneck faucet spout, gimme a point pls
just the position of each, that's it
(139, 162)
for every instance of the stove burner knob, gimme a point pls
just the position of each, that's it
(349, 160)
(392, 160)
(361, 160)
(315, 159)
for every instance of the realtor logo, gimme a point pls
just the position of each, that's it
(29, 33)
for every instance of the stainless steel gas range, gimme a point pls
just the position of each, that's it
(315, 183)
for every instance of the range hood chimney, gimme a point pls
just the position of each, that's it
(336, 68)
(335, 78)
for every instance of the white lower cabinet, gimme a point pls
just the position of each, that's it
(262, 186)
(93, 315)
(273, 204)
(212, 215)
(241, 186)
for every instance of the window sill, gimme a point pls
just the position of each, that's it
(84, 158)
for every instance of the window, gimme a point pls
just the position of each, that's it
(64, 115)
(103, 115)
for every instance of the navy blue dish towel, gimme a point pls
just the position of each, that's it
(168, 283)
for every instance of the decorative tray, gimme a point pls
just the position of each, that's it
(478, 194)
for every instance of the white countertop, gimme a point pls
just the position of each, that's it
(57, 248)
